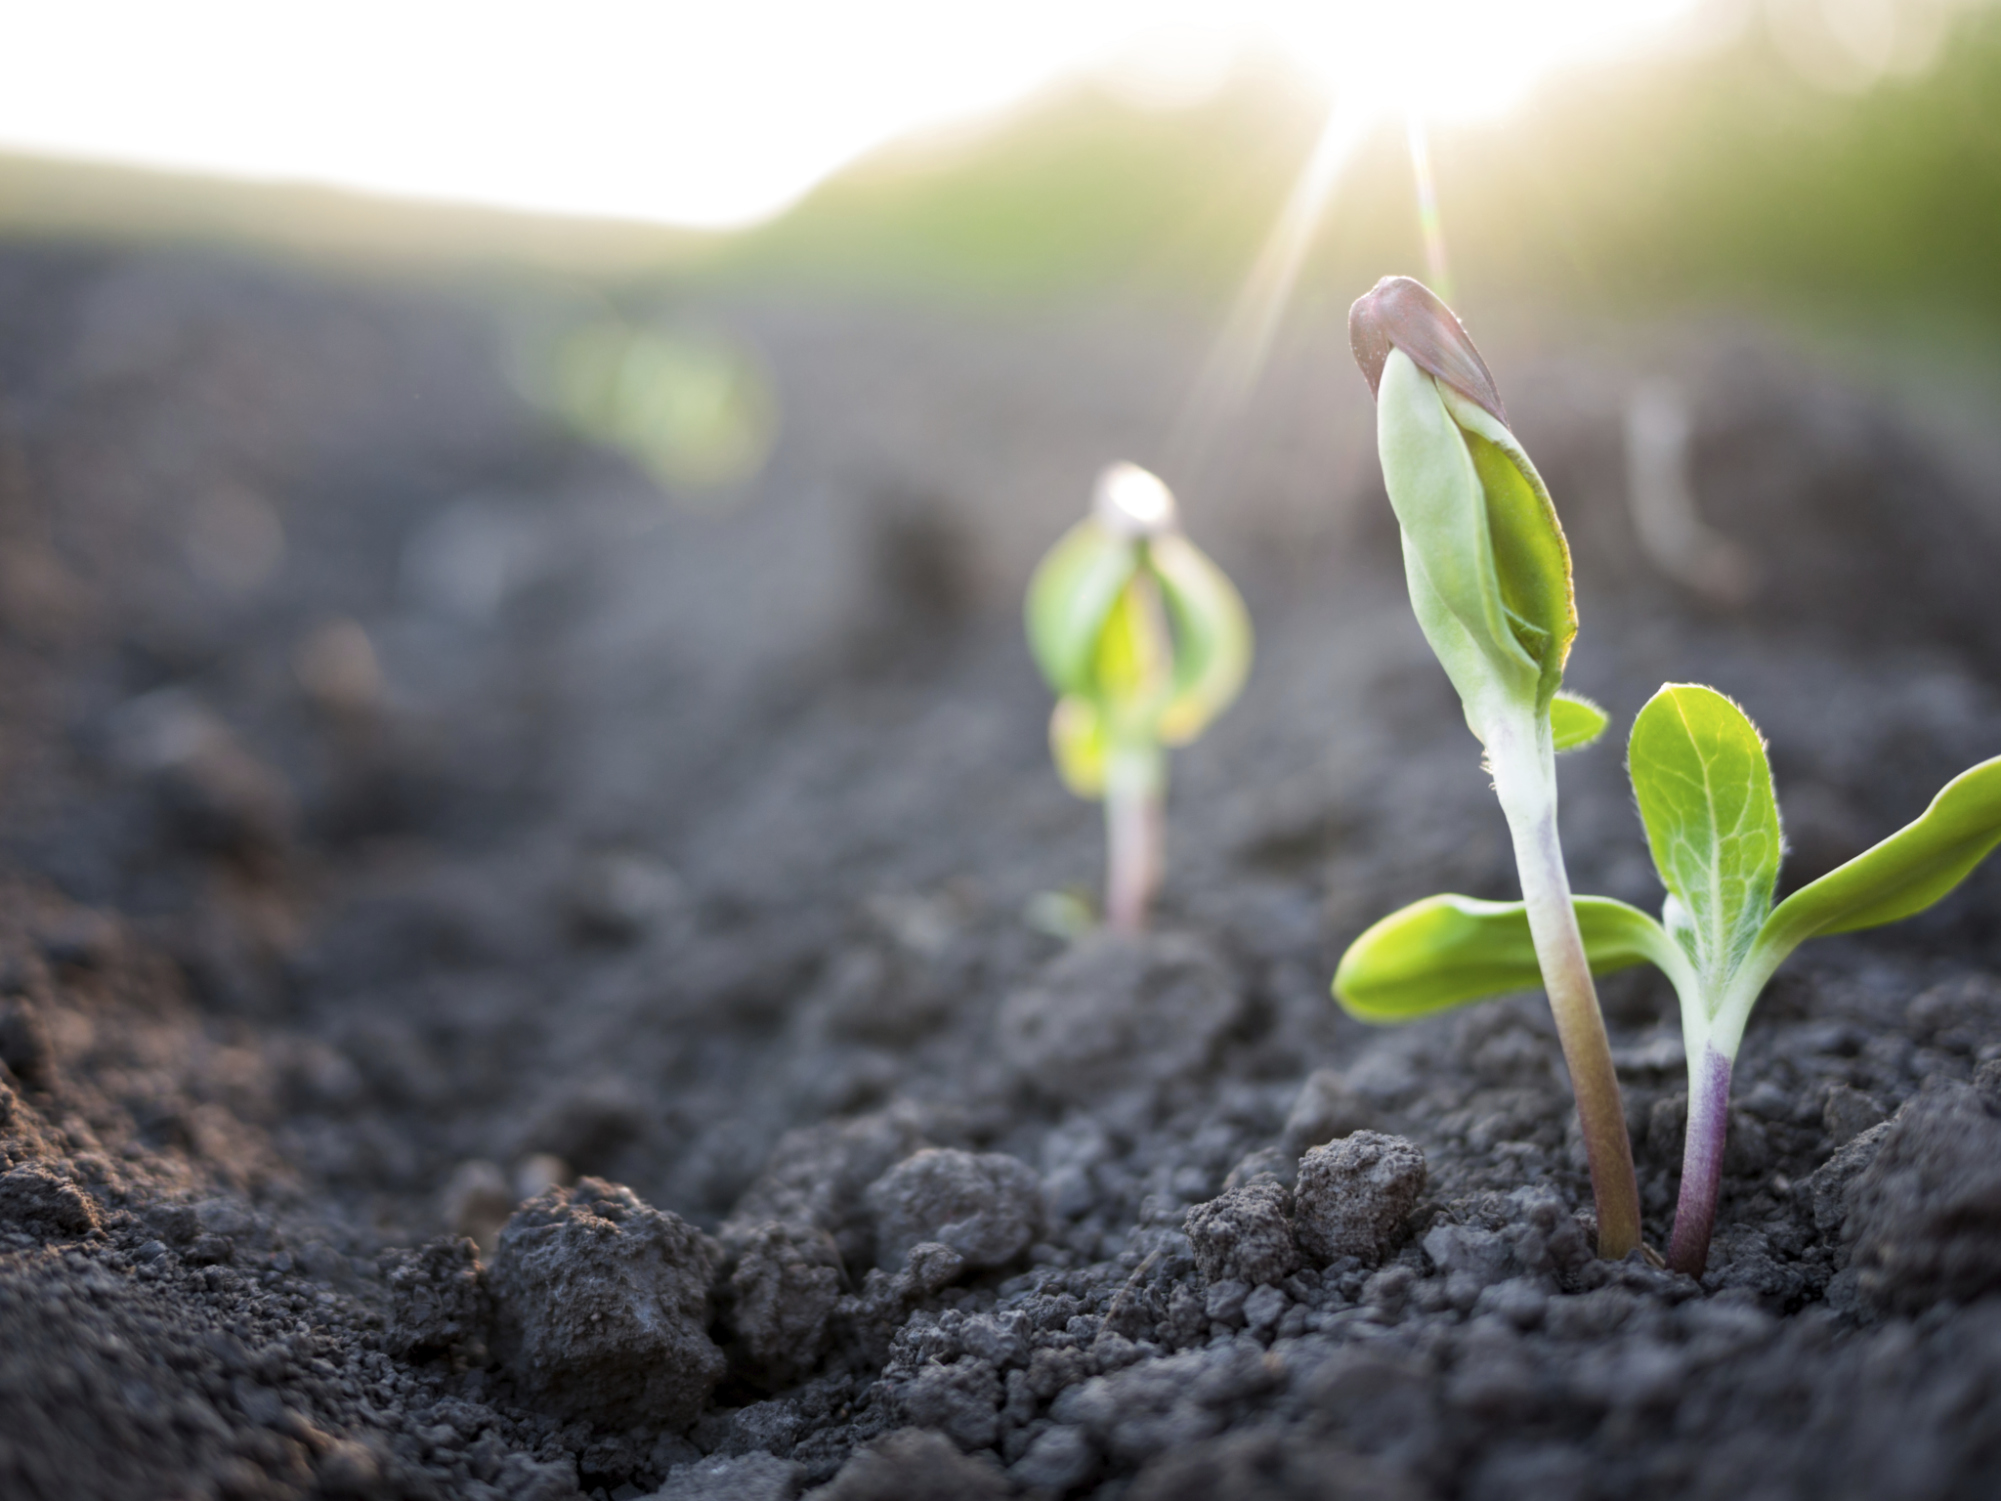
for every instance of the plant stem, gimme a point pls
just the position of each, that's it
(1701, 1161)
(1133, 836)
(1524, 766)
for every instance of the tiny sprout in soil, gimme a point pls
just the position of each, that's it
(1705, 794)
(1145, 641)
(1489, 576)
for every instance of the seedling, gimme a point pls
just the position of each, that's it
(1489, 576)
(1705, 794)
(1145, 641)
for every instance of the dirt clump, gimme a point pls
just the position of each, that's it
(987, 1206)
(1353, 1196)
(24, 1042)
(44, 1203)
(601, 1307)
(1245, 1235)
(439, 1306)
(1925, 1215)
(786, 1285)
(819, 1176)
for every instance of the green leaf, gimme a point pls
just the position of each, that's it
(1575, 721)
(1448, 950)
(1531, 556)
(1074, 588)
(1915, 867)
(1441, 506)
(1212, 636)
(1131, 671)
(1488, 565)
(1077, 744)
(1705, 793)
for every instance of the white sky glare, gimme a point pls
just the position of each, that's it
(693, 112)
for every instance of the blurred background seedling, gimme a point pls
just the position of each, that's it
(692, 405)
(1145, 641)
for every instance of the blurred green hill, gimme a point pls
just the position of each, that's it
(1706, 179)
(1636, 188)
(51, 199)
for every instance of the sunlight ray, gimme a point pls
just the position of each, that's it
(1230, 374)
(1438, 272)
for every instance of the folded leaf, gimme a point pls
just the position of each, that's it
(1074, 588)
(1531, 555)
(1132, 668)
(1705, 794)
(1575, 721)
(1448, 950)
(1915, 867)
(1077, 743)
(1212, 636)
(1441, 507)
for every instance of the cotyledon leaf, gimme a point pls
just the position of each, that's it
(1077, 744)
(1448, 950)
(1705, 794)
(1575, 721)
(1531, 555)
(1915, 867)
(1441, 508)
(1131, 672)
(1073, 589)
(1212, 636)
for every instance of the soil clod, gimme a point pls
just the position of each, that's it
(602, 1307)
(986, 1206)
(1353, 1196)
(1245, 1235)
(1926, 1212)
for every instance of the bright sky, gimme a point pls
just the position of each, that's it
(697, 112)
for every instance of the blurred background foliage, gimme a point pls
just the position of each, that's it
(1862, 211)
(1715, 172)
(1718, 175)
(691, 404)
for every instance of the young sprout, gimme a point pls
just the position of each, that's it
(1705, 794)
(1145, 641)
(1489, 576)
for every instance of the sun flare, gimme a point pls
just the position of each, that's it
(1458, 59)
(700, 114)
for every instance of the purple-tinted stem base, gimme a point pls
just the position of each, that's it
(1701, 1162)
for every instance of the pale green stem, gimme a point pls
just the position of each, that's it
(1135, 778)
(1523, 763)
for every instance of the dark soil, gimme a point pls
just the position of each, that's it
(544, 990)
